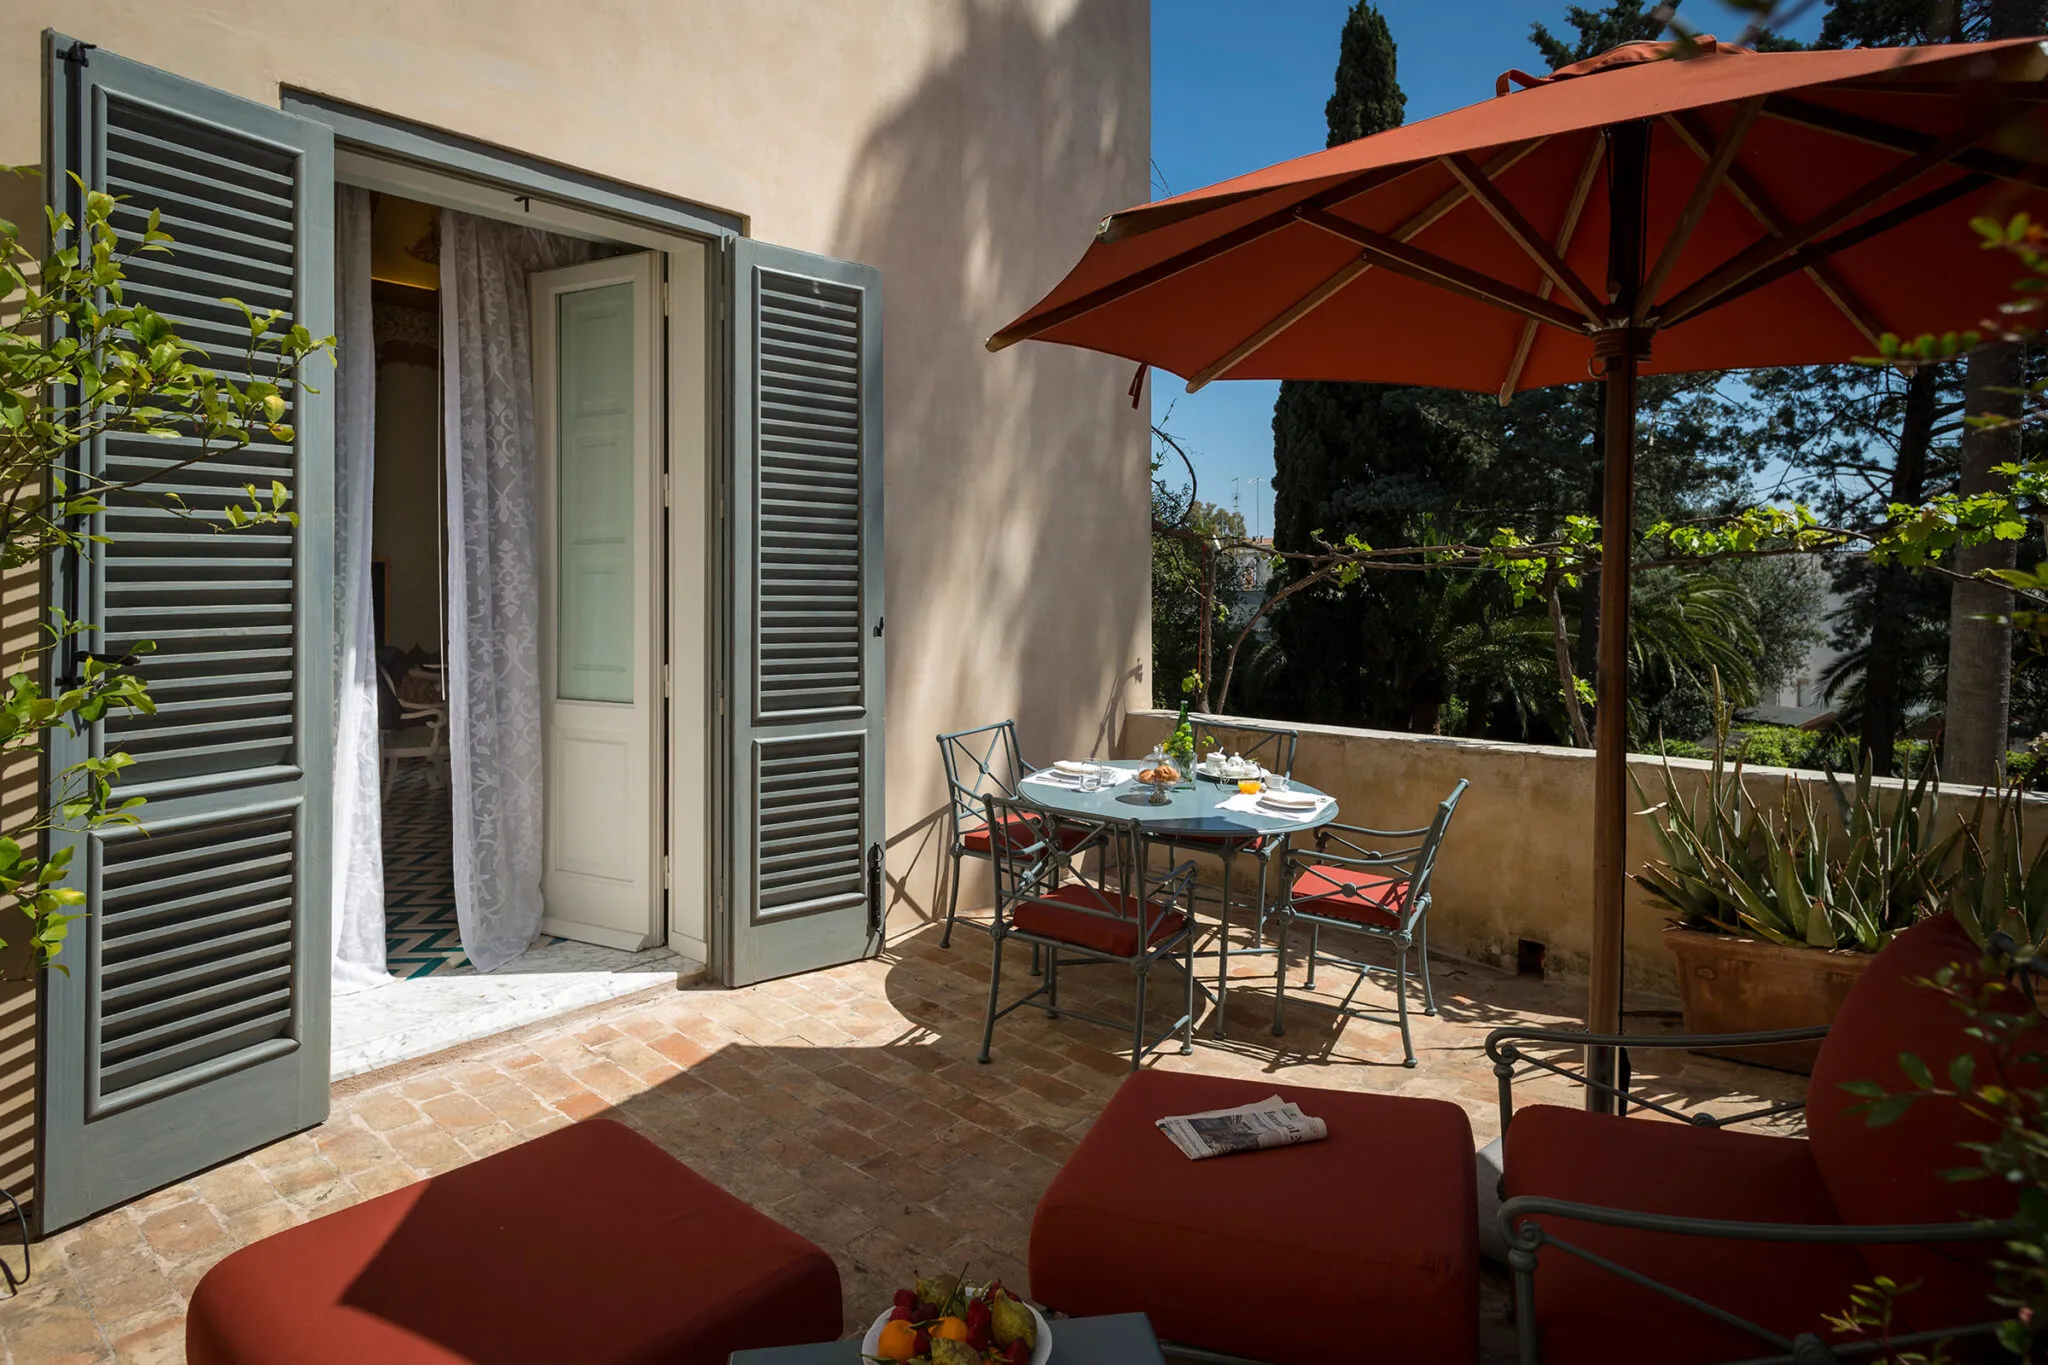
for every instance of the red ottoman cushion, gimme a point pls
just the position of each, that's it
(590, 1244)
(1361, 1247)
(1588, 1316)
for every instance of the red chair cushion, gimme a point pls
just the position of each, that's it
(1089, 924)
(1893, 1174)
(1362, 1247)
(589, 1244)
(1346, 893)
(979, 841)
(1590, 1317)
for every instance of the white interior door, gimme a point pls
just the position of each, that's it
(596, 340)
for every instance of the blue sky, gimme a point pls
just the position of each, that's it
(1236, 86)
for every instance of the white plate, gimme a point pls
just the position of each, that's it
(1290, 800)
(1040, 1353)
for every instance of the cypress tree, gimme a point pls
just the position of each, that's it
(1320, 428)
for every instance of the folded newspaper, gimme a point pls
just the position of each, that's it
(1272, 1122)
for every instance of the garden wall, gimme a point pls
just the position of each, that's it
(1517, 865)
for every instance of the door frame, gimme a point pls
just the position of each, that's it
(377, 152)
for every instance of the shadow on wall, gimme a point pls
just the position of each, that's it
(1018, 562)
(21, 201)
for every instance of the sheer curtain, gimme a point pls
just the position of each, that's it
(358, 817)
(494, 576)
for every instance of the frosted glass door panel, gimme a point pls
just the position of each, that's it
(594, 495)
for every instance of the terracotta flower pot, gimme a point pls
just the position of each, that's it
(1728, 984)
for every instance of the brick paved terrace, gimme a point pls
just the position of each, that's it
(847, 1104)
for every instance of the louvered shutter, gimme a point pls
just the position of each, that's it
(193, 1024)
(806, 573)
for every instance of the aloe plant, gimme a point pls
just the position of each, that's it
(2001, 887)
(1729, 864)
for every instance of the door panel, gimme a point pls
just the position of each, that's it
(193, 1023)
(806, 738)
(597, 394)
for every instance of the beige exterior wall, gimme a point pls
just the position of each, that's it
(1518, 861)
(967, 148)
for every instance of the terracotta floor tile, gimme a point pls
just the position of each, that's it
(847, 1103)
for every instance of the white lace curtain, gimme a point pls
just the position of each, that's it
(358, 873)
(493, 659)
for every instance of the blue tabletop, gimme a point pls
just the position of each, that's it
(1193, 808)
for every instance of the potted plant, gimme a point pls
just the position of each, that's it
(1777, 909)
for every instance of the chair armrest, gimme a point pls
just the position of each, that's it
(1336, 828)
(1501, 1050)
(1526, 1238)
(1811, 1234)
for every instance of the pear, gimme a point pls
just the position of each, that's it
(1011, 1321)
(946, 1351)
(937, 1291)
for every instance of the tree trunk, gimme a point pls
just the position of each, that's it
(1978, 715)
(1883, 711)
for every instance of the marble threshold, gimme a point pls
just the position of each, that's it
(417, 1017)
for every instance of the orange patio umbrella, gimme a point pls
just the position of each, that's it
(1657, 209)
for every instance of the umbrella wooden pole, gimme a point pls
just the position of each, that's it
(1610, 717)
(1621, 348)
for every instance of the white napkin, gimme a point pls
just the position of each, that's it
(1252, 803)
(1053, 777)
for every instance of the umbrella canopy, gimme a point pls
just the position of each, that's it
(1659, 208)
(1789, 203)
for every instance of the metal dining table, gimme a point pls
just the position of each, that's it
(1194, 816)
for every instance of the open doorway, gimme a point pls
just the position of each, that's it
(515, 579)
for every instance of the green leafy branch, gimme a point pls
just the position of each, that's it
(79, 362)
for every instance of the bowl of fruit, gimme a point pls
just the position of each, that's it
(946, 1321)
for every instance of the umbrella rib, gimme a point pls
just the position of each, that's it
(1565, 232)
(1804, 258)
(1877, 133)
(1026, 329)
(1703, 191)
(1350, 271)
(1523, 232)
(1765, 210)
(1432, 269)
(1719, 283)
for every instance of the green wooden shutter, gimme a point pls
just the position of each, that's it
(805, 751)
(194, 1022)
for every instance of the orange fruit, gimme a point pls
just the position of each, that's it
(951, 1329)
(898, 1342)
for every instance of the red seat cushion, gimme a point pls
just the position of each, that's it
(1346, 893)
(1089, 923)
(979, 841)
(1588, 1316)
(1362, 1247)
(589, 1244)
(1893, 1174)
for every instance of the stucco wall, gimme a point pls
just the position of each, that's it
(966, 148)
(1518, 861)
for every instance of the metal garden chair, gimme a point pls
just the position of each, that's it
(1609, 1234)
(1273, 747)
(1132, 916)
(1381, 894)
(980, 762)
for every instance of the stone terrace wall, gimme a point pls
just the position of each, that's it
(1518, 862)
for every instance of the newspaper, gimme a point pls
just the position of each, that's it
(1272, 1122)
